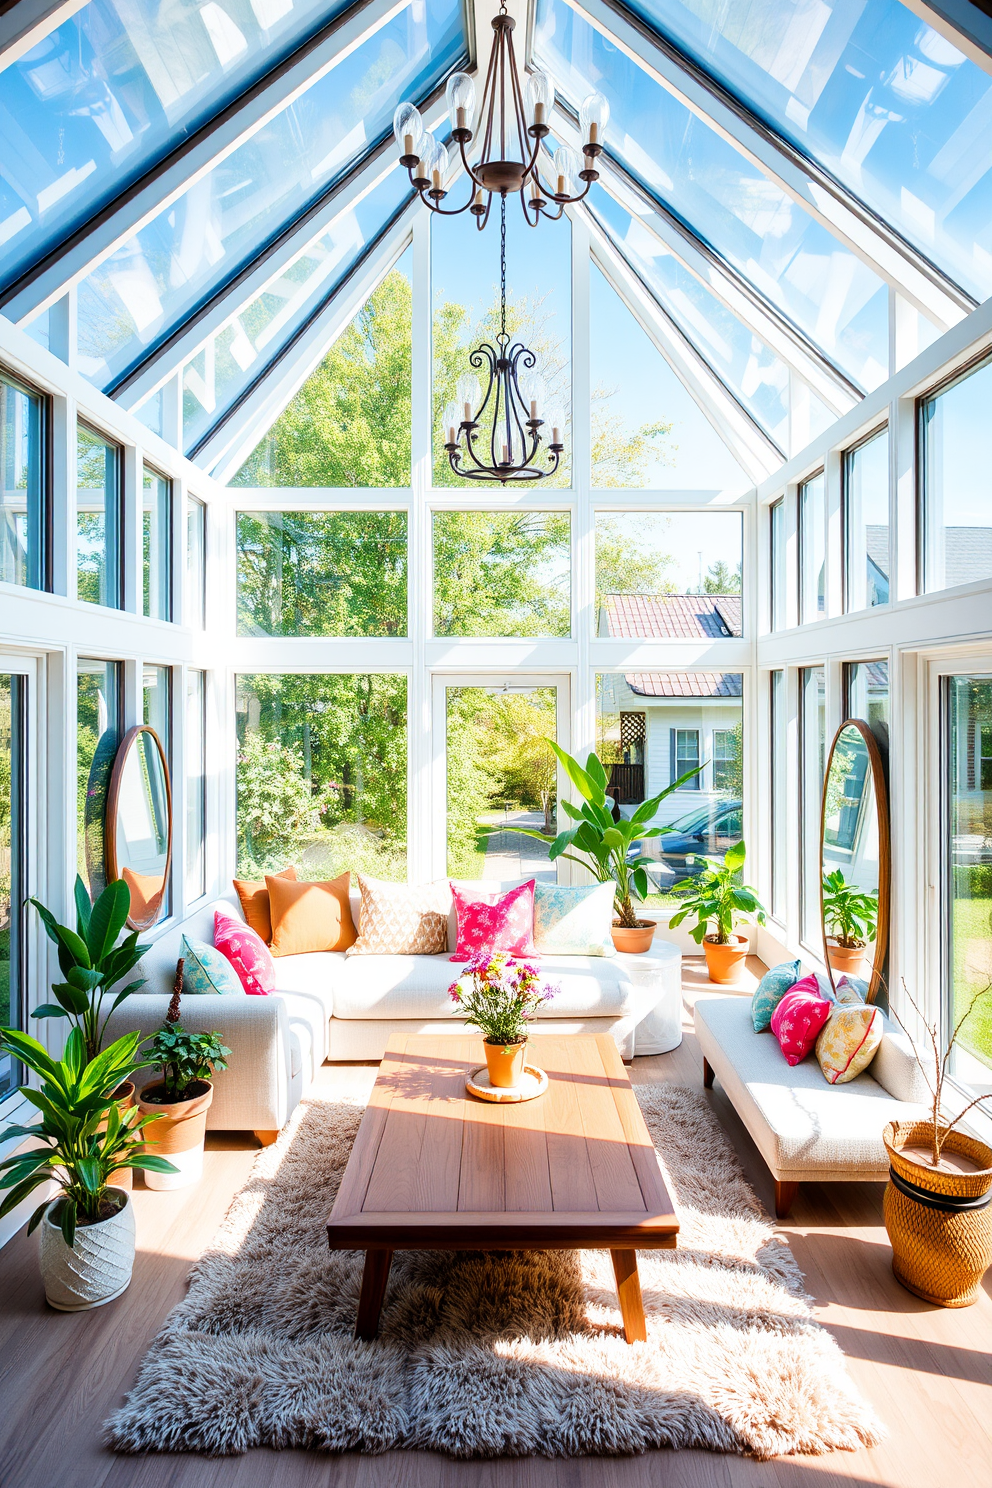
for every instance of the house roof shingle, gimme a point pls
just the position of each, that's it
(685, 684)
(674, 617)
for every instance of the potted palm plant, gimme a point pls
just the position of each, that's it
(84, 1138)
(852, 916)
(937, 1211)
(181, 1096)
(719, 900)
(604, 846)
(500, 996)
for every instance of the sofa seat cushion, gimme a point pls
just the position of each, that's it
(803, 1127)
(306, 985)
(417, 987)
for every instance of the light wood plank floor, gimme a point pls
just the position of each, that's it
(927, 1371)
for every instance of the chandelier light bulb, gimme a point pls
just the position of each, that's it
(460, 94)
(554, 418)
(532, 392)
(408, 127)
(594, 116)
(469, 394)
(566, 169)
(539, 97)
(452, 419)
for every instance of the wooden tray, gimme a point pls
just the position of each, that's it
(534, 1083)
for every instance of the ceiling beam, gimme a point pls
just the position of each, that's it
(25, 24)
(754, 451)
(826, 200)
(80, 252)
(962, 24)
(726, 283)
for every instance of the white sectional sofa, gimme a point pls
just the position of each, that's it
(331, 1006)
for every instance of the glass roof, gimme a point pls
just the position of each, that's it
(796, 264)
(113, 89)
(870, 92)
(132, 300)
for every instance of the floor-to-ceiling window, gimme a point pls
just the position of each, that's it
(865, 509)
(24, 475)
(99, 519)
(13, 863)
(156, 544)
(967, 861)
(778, 793)
(196, 783)
(956, 504)
(813, 746)
(99, 717)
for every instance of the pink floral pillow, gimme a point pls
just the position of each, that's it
(247, 953)
(505, 925)
(799, 1017)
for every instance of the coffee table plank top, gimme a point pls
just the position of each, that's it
(433, 1166)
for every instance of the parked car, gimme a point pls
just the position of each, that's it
(708, 829)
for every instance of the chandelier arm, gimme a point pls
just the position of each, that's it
(520, 113)
(447, 211)
(524, 204)
(482, 219)
(470, 169)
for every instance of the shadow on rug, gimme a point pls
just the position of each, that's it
(496, 1354)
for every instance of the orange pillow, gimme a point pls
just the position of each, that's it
(310, 916)
(255, 903)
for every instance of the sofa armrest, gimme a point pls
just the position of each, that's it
(896, 1070)
(256, 1091)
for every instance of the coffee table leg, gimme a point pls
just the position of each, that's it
(374, 1279)
(629, 1292)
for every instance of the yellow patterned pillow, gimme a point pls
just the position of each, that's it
(848, 1041)
(400, 919)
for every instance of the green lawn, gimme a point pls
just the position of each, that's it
(972, 926)
(469, 863)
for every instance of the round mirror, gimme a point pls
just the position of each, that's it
(854, 857)
(139, 824)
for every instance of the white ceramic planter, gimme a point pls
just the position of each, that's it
(96, 1269)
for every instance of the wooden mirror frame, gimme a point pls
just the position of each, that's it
(881, 942)
(110, 820)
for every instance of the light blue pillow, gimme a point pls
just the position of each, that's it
(574, 921)
(205, 970)
(770, 991)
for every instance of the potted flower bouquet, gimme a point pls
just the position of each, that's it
(182, 1096)
(852, 916)
(501, 996)
(84, 1139)
(718, 899)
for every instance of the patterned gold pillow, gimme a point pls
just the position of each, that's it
(402, 919)
(848, 1041)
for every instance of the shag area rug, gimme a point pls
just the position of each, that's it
(496, 1354)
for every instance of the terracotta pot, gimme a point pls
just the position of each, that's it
(634, 942)
(725, 962)
(98, 1266)
(506, 1063)
(178, 1133)
(126, 1098)
(939, 1222)
(846, 959)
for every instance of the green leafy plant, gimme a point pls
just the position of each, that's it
(500, 996)
(717, 898)
(185, 1058)
(84, 1135)
(848, 912)
(598, 842)
(91, 961)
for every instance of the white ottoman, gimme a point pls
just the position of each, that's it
(658, 971)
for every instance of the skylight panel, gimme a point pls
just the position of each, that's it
(132, 300)
(866, 89)
(797, 265)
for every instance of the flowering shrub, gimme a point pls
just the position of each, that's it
(500, 996)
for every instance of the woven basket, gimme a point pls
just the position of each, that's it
(938, 1253)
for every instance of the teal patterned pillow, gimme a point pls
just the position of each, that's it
(573, 922)
(206, 970)
(770, 991)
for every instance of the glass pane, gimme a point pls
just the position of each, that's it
(957, 482)
(812, 541)
(240, 353)
(776, 537)
(502, 573)
(156, 539)
(671, 576)
(500, 773)
(650, 728)
(196, 784)
(779, 780)
(868, 90)
(349, 424)
(113, 89)
(465, 282)
(152, 413)
(98, 733)
(157, 704)
(647, 431)
(322, 573)
(322, 774)
(201, 240)
(13, 845)
(866, 523)
(196, 551)
(968, 855)
(866, 685)
(728, 202)
(22, 493)
(98, 519)
(814, 752)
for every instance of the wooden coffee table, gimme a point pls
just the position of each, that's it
(433, 1168)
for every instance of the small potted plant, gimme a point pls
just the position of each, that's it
(937, 1211)
(84, 1140)
(182, 1097)
(603, 845)
(852, 916)
(717, 898)
(501, 996)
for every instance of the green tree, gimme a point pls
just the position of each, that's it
(626, 566)
(720, 578)
(502, 573)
